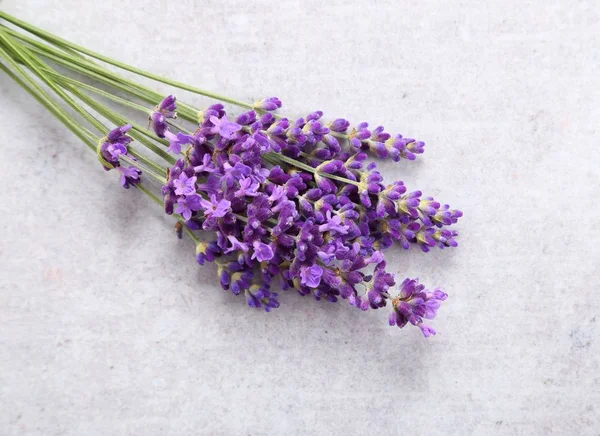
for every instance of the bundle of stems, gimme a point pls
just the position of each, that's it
(285, 199)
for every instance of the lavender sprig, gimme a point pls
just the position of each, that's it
(277, 201)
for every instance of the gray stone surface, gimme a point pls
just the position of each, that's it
(107, 325)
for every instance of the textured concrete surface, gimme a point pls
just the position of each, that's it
(107, 326)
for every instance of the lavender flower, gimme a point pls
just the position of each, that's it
(168, 107)
(185, 185)
(158, 118)
(176, 141)
(262, 252)
(259, 296)
(129, 176)
(224, 127)
(119, 134)
(207, 252)
(311, 276)
(159, 124)
(115, 145)
(214, 208)
(188, 204)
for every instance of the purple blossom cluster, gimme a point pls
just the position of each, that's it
(297, 202)
(110, 151)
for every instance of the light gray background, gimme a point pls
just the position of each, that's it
(107, 325)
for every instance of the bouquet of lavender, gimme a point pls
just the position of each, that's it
(273, 202)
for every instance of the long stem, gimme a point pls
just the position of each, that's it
(109, 96)
(42, 96)
(69, 47)
(89, 68)
(63, 42)
(99, 91)
(34, 66)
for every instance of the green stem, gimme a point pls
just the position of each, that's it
(145, 160)
(63, 42)
(103, 110)
(34, 65)
(42, 96)
(189, 232)
(149, 194)
(98, 91)
(69, 47)
(88, 68)
(112, 97)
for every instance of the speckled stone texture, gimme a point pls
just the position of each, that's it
(108, 327)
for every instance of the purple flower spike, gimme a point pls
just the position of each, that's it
(224, 127)
(268, 104)
(311, 276)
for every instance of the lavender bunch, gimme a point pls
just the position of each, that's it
(275, 203)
